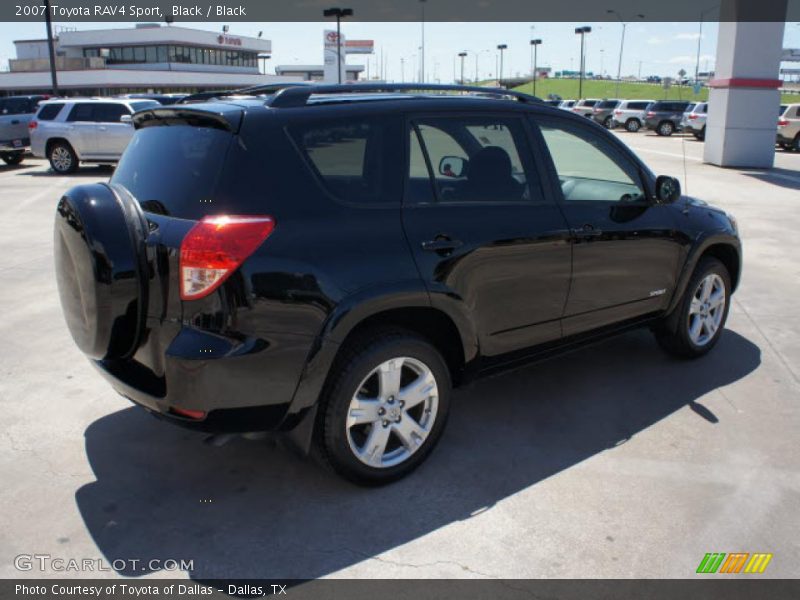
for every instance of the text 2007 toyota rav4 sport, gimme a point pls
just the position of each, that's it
(335, 260)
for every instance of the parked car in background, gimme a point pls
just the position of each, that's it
(694, 121)
(567, 104)
(789, 128)
(164, 99)
(203, 291)
(664, 117)
(552, 102)
(15, 114)
(70, 131)
(631, 114)
(585, 107)
(603, 112)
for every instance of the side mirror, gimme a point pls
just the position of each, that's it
(668, 189)
(128, 119)
(453, 166)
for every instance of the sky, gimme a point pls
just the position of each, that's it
(655, 48)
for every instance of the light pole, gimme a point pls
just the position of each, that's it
(534, 57)
(50, 49)
(501, 47)
(422, 48)
(462, 55)
(621, 44)
(402, 70)
(582, 31)
(699, 39)
(339, 13)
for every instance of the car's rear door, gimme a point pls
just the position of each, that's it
(486, 238)
(112, 134)
(626, 248)
(14, 117)
(81, 129)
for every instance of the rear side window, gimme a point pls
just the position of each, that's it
(174, 170)
(608, 104)
(81, 112)
(349, 157)
(49, 112)
(637, 105)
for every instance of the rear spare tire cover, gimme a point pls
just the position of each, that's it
(100, 266)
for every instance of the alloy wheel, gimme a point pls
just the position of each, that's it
(706, 309)
(392, 413)
(61, 159)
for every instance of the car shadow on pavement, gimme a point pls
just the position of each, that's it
(257, 510)
(787, 178)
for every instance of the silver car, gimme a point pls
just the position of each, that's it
(567, 104)
(585, 107)
(694, 121)
(630, 114)
(68, 132)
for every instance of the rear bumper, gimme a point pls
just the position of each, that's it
(18, 145)
(238, 385)
(782, 139)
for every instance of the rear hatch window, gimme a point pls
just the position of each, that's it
(173, 170)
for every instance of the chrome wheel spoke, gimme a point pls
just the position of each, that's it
(695, 306)
(363, 411)
(717, 298)
(389, 374)
(410, 432)
(417, 392)
(375, 447)
(696, 327)
(707, 309)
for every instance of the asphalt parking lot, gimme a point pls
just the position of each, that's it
(614, 461)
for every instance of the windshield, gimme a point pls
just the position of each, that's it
(144, 104)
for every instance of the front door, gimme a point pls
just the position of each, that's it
(82, 129)
(486, 238)
(626, 249)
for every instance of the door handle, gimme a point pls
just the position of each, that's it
(103, 128)
(441, 245)
(587, 232)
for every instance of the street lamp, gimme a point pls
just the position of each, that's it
(699, 39)
(501, 47)
(621, 43)
(582, 31)
(422, 47)
(50, 49)
(339, 13)
(462, 55)
(534, 57)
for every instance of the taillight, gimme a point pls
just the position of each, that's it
(197, 415)
(617, 112)
(215, 248)
(33, 124)
(692, 117)
(651, 114)
(783, 123)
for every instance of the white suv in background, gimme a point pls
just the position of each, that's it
(630, 114)
(70, 131)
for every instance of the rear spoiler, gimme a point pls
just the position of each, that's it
(226, 117)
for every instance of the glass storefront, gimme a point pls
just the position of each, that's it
(116, 55)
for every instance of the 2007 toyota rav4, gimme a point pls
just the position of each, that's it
(333, 260)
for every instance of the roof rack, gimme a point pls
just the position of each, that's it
(267, 88)
(294, 96)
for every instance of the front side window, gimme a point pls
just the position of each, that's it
(110, 113)
(349, 157)
(469, 159)
(587, 170)
(81, 112)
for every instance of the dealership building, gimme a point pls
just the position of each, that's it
(145, 58)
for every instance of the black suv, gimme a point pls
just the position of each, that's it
(333, 260)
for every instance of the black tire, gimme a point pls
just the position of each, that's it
(63, 159)
(700, 135)
(673, 335)
(607, 122)
(352, 371)
(665, 128)
(12, 159)
(633, 125)
(795, 145)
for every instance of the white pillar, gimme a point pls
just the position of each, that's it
(743, 100)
